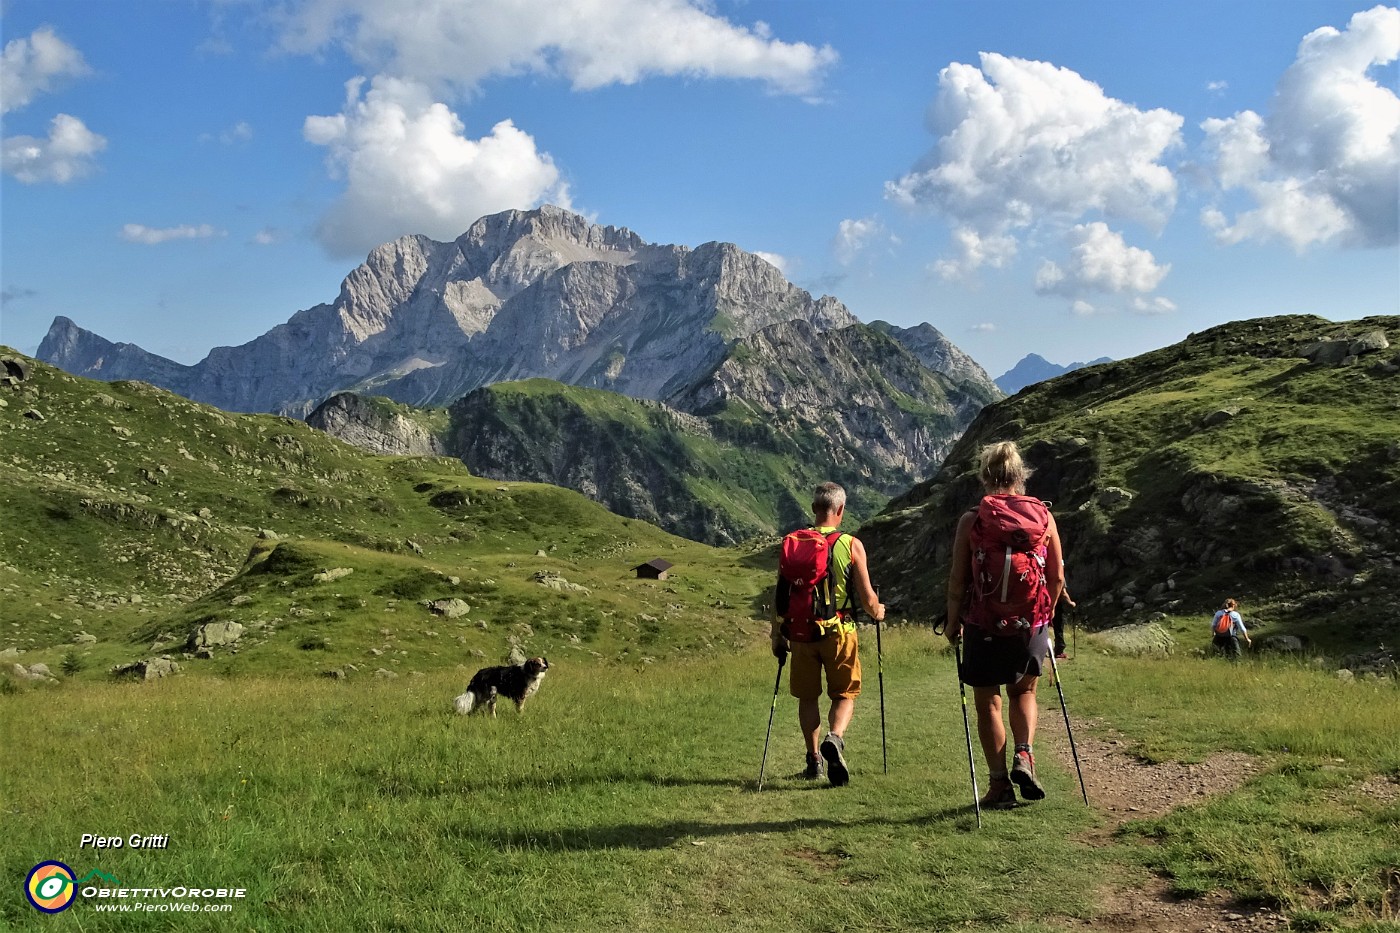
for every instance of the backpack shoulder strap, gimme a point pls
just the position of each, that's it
(832, 540)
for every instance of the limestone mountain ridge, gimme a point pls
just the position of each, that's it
(521, 294)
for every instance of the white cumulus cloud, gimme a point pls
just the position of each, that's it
(592, 43)
(974, 250)
(1022, 143)
(1323, 167)
(36, 65)
(65, 155)
(777, 261)
(853, 237)
(151, 236)
(1101, 262)
(409, 167)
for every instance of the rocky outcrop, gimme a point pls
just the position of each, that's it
(864, 393)
(374, 424)
(941, 355)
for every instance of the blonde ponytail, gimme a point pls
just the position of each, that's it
(1001, 468)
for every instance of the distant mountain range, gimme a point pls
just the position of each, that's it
(715, 334)
(520, 295)
(1035, 368)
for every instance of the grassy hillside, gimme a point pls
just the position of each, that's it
(1225, 465)
(731, 477)
(135, 516)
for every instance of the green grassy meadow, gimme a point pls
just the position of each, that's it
(624, 798)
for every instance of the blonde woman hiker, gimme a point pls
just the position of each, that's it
(1006, 577)
(1228, 628)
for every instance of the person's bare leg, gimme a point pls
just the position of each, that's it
(809, 717)
(842, 708)
(991, 732)
(1025, 712)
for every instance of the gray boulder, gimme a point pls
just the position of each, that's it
(1327, 352)
(1110, 496)
(1138, 639)
(35, 672)
(149, 669)
(554, 581)
(214, 634)
(1220, 416)
(1369, 343)
(449, 608)
(1288, 644)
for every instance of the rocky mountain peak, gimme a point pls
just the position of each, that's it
(940, 354)
(510, 250)
(521, 294)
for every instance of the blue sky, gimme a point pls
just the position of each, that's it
(1076, 179)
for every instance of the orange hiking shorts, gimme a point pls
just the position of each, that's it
(835, 654)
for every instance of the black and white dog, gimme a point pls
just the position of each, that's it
(516, 682)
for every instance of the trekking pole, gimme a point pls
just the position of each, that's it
(782, 659)
(880, 668)
(967, 731)
(1064, 709)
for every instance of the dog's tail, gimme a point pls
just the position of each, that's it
(464, 703)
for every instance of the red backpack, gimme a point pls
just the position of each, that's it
(806, 591)
(1010, 536)
(1224, 622)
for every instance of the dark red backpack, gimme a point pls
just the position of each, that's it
(806, 591)
(1009, 539)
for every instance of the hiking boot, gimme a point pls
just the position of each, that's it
(836, 769)
(1000, 795)
(1023, 773)
(1061, 656)
(814, 766)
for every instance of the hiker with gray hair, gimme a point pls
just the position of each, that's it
(1007, 574)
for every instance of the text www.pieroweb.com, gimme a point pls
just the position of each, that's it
(141, 907)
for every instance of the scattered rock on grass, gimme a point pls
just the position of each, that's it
(449, 608)
(149, 669)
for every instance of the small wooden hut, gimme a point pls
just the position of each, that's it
(655, 569)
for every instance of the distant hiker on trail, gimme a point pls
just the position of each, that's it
(820, 573)
(1007, 575)
(1062, 607)
(1228, 628)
